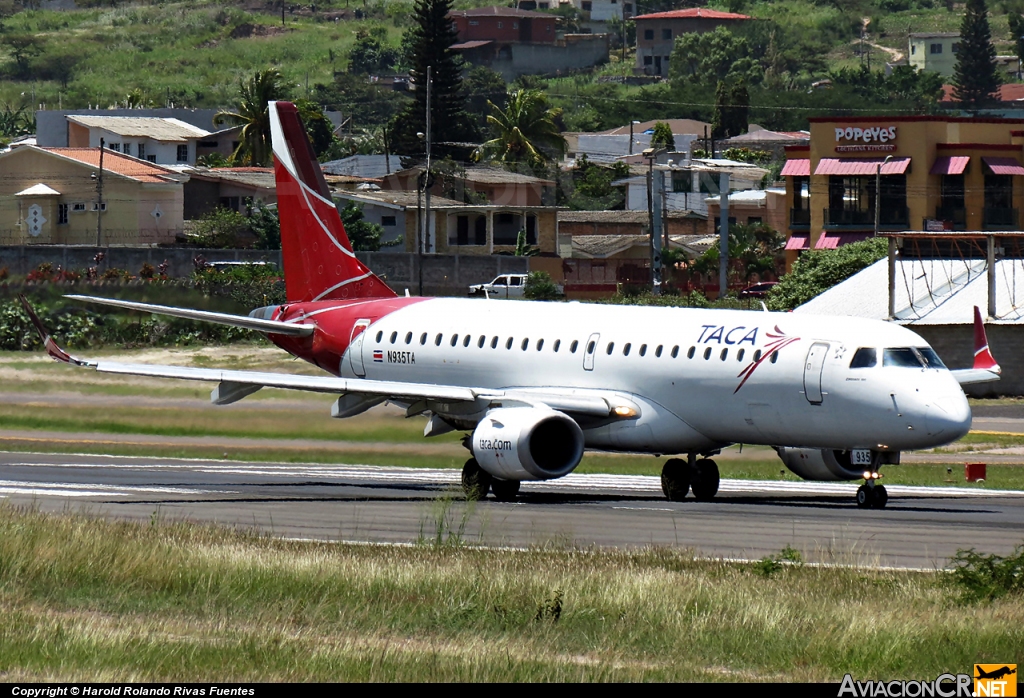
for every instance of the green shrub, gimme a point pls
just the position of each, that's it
(819, 270)
(540, 287)
(987, 576)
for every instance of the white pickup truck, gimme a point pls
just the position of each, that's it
(503, 286)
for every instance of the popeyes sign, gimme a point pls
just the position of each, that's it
(856, 140)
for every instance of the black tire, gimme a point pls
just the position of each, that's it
(864, 498)
(675, 479)
(476, 482)
(705, 480)
(505, 490)
(881, 497)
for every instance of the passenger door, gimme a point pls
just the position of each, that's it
(355, 346)
(589, 350)
(813, 367)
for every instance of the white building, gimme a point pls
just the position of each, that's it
(689, 184)
(164, 141)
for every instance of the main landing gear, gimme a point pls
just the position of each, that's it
(477, 482)
(871, 495)
(697, 474)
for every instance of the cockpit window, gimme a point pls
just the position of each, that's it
(865, 357)
(904, 357)
(931, 359)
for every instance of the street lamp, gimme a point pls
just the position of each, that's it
(878, 190)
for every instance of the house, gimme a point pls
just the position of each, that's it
(232, 188)
(160, 140)
(597, 13)
(656, 34)
(63, 196)
(689, 183)
(572, 224)
(761, 139)
(750, 207)
(937, 52)
(516, 42)
(456, 227)
(363, 166)
(482, 183)
(616, 143)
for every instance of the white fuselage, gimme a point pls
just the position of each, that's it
(683, 367)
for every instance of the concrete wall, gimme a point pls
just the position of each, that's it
(578, 52)
(443, 275)
(955, 346)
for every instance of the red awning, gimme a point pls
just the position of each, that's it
(799, 241)
(861, 166)
(950, 166)
(1004, 166)
(830, 241)
(796, 168)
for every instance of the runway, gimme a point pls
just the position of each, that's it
(921, 527)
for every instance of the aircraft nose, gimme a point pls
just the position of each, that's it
(948, 416)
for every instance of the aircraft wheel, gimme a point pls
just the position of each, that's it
(705, 480)
(675, 479)
(881, 497)
(864, 498)
(476, 481)
(505, 490)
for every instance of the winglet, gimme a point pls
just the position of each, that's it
(983, 358)
(55, 352)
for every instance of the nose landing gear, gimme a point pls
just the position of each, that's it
(678, 477)
(871, 495)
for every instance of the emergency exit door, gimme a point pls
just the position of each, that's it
(813, 368)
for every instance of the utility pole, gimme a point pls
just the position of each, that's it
(723, 235)
(878, 190)
(99, 196)
(426, 177)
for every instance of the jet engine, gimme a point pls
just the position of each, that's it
(820, 463)
(527, 443)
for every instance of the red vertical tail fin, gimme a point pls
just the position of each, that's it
(318, 260)
(982, 355)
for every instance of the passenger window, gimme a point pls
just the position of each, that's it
(775, 356)
(526, 343)
(625, 349)
(480, 342)
(590, 348)
(690, 352)
(572, 347)
(657, 352)
(675, 351)
(904, 357)
(408, 337)
(455, 339)
(423, 339)
(865, 357)
(437, 339)
(508, 344)
(725, 353)
(643, 350)
(540, 344)
(379, 336)
(394, 336)
(558, 343)
(611, 348)
(494, 342)
(707, 353)
(757, 356)
(739, 354)
(466, 341)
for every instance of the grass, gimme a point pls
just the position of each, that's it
(94, 600)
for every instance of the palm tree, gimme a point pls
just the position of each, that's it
(525, 130)
(253, 114)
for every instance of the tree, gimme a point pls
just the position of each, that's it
(975, 80)
(366, 104)
(732, 109)
(253, 115)
(819, 270)
(431, 44)
(711, 57)
(23, 48)
(371, 53)
(525, 131)
(591, 186)
(364, 235)
(318, 127)
(265, 224)
(1017, 34)
(662, 137)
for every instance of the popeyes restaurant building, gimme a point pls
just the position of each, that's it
(936, 173)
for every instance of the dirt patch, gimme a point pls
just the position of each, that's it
(246, 30)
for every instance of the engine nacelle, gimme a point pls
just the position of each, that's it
(527, 443)
(820, 463)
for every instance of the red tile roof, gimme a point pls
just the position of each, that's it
(1010, 92)
(693, 13)
(118, 163)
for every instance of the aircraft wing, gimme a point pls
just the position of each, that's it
(234, 385)
(985, 367)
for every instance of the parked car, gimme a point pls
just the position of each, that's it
(503, 286)
(758, 290)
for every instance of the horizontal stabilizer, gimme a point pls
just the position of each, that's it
(248, 323)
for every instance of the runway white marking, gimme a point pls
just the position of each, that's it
(64, 489)
(434, 476)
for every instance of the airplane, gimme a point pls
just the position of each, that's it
(994, 674)
(535, 384)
